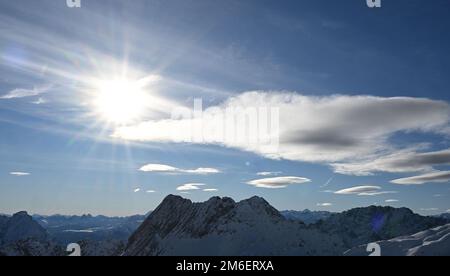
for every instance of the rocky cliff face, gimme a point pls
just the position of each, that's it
(221, 226)
(20, 226)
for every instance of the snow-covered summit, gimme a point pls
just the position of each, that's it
(221, 226)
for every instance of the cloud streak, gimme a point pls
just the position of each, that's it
(190, 187)
(19, 173)
(434, 177)
(210, 190)
(268, 173)
(23, 93)
(402, 161)
(278, 182)
(391, 200)
(364, 191)
(161, 168)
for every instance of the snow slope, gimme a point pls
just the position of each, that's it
(433, 242)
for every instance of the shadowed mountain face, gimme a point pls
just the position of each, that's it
(221, 226)
(306, 216)
(363, 225)
(19, 227)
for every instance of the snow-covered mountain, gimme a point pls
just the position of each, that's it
(20, 235)
(433, 242)
(221, 226)
(306, 216)
(364, 225)
(20, 226)
(445, 216)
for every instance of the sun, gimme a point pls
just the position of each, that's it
(119, 101)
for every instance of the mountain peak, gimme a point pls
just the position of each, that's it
(220, 226)
(21, 214)
(21, 226)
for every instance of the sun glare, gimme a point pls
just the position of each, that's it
(119, 101)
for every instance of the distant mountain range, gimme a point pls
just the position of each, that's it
(221, 226)
(66, 229)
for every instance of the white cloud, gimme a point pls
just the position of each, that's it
(150, 191)
(402, 161)
(22, 93)
(346, 131)
(19, 173)
(391, 200)
(324, 204)
(434, 177)
(190, 187)
(448, 211)
(364, 191)
(137, 190)
(278, 182)
(161, 168)
(268, 173)
(210, 190)
(377, 193)
(39, 101)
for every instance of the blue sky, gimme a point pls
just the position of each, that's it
(362, 93)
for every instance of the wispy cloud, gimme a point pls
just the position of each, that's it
(150, 191)
(137, 190)
(434, 177)
(161, 168)
(278, 182)
(210, 190)
(19, 173)
(268, 173)
(324, 204)
(364, 191)
(22, 93)
(391, 200)
(190, 187)
(327, 183)
(39, 101)
(402, 161)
